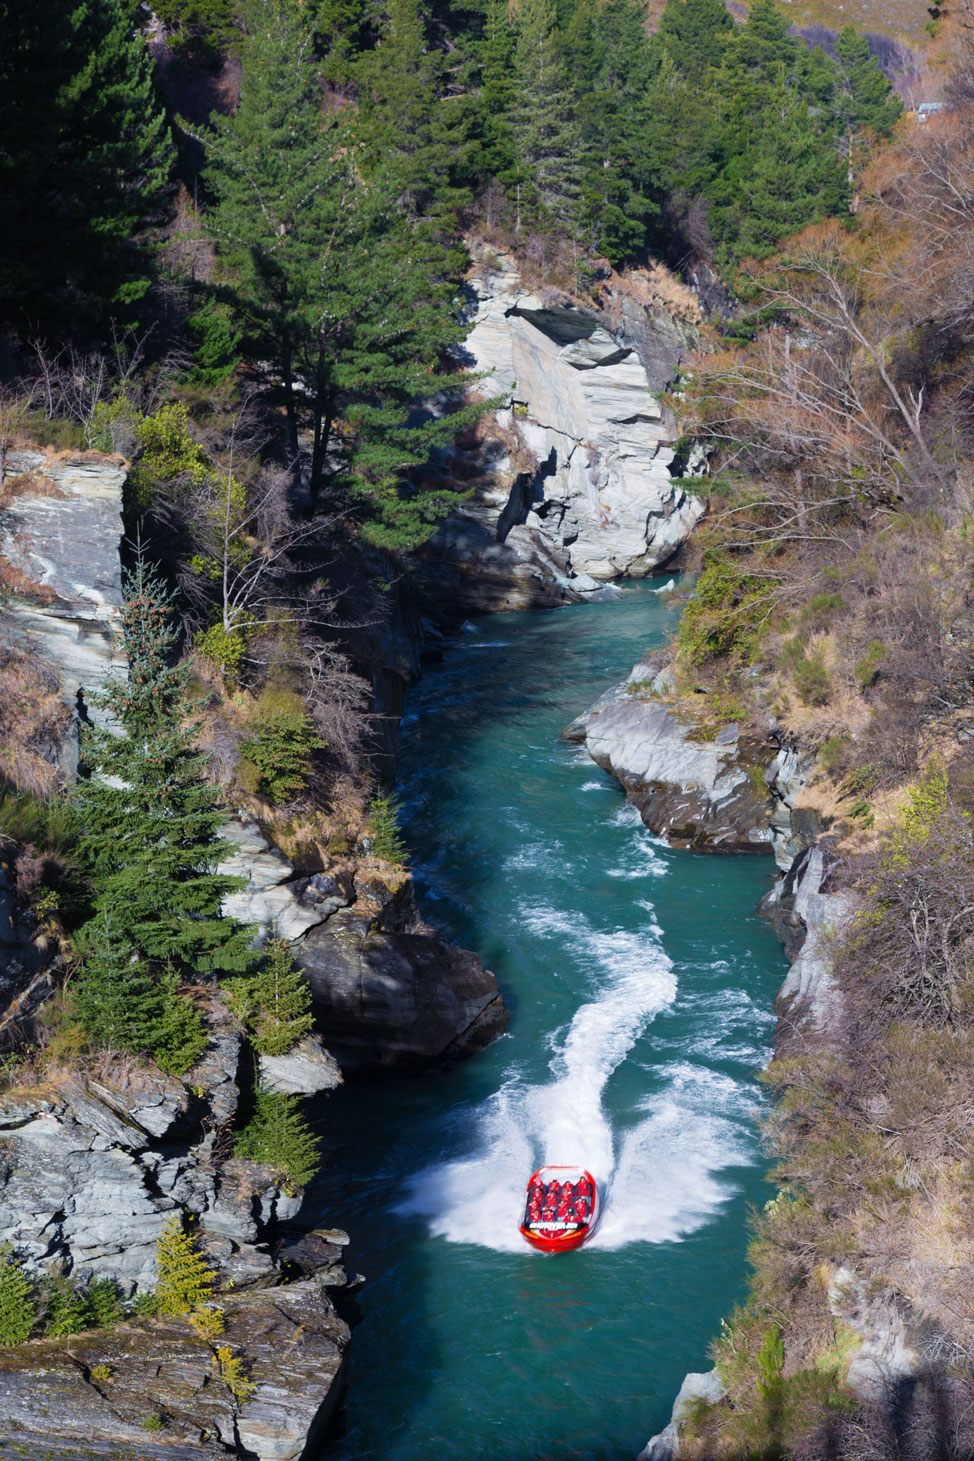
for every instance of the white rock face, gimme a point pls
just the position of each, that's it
(810, 993)
(66, 540)
(266, 900)
(696, 1386)
(581, 402)
(304, 1071)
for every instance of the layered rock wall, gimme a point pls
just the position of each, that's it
(61, 531)
(579, 488)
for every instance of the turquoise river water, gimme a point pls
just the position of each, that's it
(639, 983)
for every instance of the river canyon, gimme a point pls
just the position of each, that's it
(640, 983)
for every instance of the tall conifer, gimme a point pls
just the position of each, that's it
(546, 127)
(346, 291)
(85, 158)
(149, 824)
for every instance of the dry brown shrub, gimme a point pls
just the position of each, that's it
(33, 720)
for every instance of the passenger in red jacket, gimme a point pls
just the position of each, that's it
(582, 1209)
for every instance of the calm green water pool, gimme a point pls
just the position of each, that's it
(640, 985)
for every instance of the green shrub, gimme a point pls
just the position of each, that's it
(808, 672)
(726, 615)
(67, 1311)
(216, 355)
(819, 612)
(18, 1309)
(278, 1135)
(103, 1304)
(830, 752)
(274, 1003)
(868, 667)
(281, 746)
(225, 647)
(387, 840)
(152, 1422)
(167, 451)
(185, 1277)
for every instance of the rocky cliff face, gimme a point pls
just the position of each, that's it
(580, 484)
(61, 531)
(91, 1168)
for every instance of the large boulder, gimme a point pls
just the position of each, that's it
(700, 788)
(398, 1001)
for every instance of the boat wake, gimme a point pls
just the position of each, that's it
(657, 1177)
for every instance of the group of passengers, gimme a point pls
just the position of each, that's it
(559, 1202)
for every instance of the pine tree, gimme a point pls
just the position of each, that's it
(546, 130)
(185, 1279)
(275, 1002)
(84, 163)
(18, 1310)
(612, 65)
(341, 290)
(148, 822)
(409, 124)
(67, 1312)
(793, 179)
(497, 94)
(693, 34)
(868, 99)
(278, 1135)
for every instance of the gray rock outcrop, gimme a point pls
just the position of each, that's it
(706, 794)
(809, 919)
(578, 488)
(889, 1353)
(71, 1398)
(274, 899)
(61, 534)
(306, 1070)
(91, 1169)
(398, 1000)
(705, 1386)
(386, 991)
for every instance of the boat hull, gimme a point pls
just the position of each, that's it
(561, 1236)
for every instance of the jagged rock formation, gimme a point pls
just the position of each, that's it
(702, 790)
(578, 489)
(399, 1001)
(91, 1169)
(56, 1399)
(60, 531)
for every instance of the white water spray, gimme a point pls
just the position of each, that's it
(657, 1176)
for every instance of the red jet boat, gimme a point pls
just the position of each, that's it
(561, 1209)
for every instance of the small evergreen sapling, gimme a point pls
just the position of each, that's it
(67, 1312)
(18, 1309)
(103, 1304)
(185, 1278)
(278, 1135)
(275, 1003)
(281, 747)
(387, 841)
